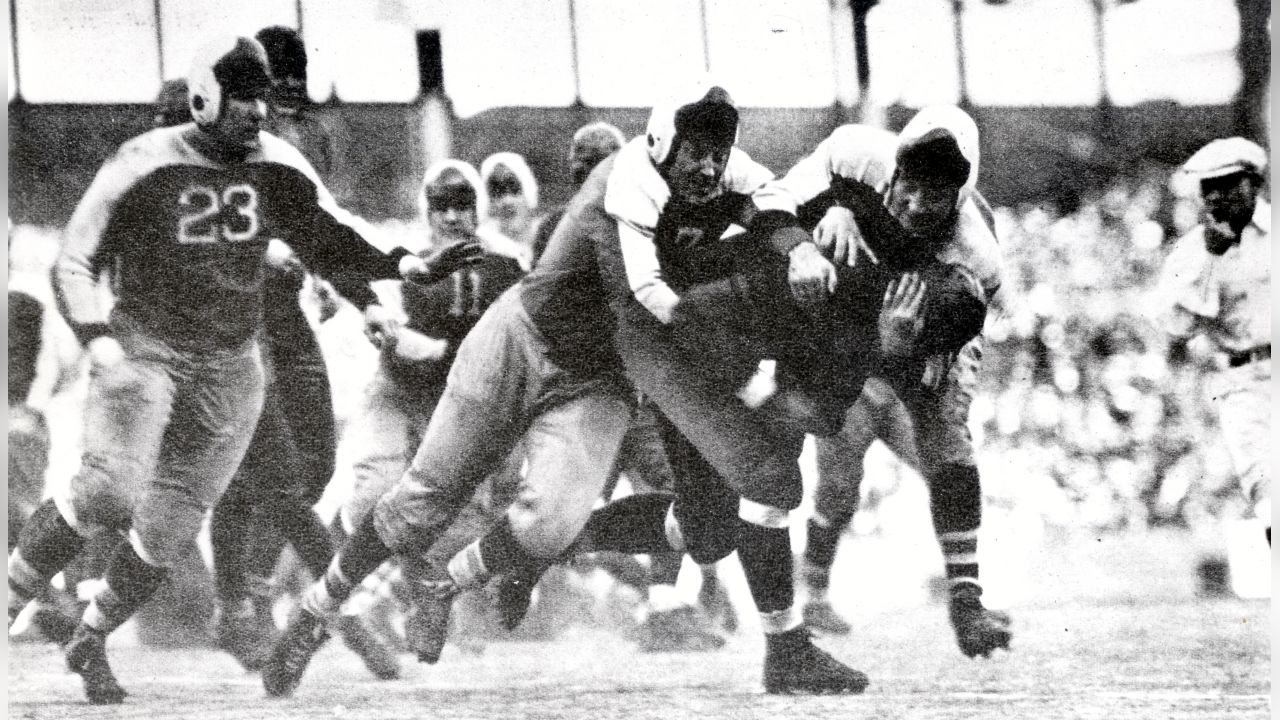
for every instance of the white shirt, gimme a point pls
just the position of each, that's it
(1227, 297)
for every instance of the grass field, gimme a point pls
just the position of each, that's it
(1105, 628)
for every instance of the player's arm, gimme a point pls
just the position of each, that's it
(84, 253)
(644, 274)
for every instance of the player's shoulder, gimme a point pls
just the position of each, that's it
(274, 149)
(742, 174)
(862, 152)
(153, 148)
(855, 139)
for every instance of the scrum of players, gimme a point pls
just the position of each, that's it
(686, 320)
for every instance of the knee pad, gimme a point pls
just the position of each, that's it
(710, 539)
(164, 544)
(90, 503)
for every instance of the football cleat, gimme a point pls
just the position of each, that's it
(819, 615)
(683, 629)
(246, 638)
(288, 660)
(87, 657)
(515, 595)
(427, 624)
(361, 640)
(794, 665)
(979, 631)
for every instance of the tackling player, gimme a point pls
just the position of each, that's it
(925, 177)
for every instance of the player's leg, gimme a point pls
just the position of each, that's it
(759, 460)
(955, 497)
(1243, 397)
(477, 422)
(301, 382)
(835, 500)
(380, 437)
(702, 521)
(841, 466)
(215, 411)
(570, 449)
(237, 628)
(126, 412)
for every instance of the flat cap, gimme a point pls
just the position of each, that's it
(1225, 157)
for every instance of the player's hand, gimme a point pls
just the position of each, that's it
(415, 347)
(327, 299)
(900, 315)
(281, 256)
(812, 277)
(105, 351)
(381, 327)
(839, 238)
(439, 263)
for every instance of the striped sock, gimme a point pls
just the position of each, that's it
(960, 554)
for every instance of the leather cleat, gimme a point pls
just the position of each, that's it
(246, 638)
(515, 596)
(682, 629)
(823, 618)
(87, 656)
(288, 660)
(979, 631)
(794, 665)
(427, 625)
(361, 640)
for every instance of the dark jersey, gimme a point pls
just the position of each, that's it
(563, 294)
(447, 310)
(185, 236)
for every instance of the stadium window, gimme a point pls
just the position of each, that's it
(186, 26)
(630, 53)
(772, 53)
(1032, 52)
(361, 52)
(911, 44)
(1180, 50)
(507, 53)
(71, 51)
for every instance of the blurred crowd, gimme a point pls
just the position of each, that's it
(1096, 421)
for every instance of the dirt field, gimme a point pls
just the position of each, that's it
(1111, 631)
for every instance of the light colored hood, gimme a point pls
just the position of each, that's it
(518, 167)
(468, 173)
(955, 122)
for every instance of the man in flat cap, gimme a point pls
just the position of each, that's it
(1219, 275)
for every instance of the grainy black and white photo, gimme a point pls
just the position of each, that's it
(578, 359)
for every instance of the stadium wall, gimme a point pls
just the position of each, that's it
(379, 153)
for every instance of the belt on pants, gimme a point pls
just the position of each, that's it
(1247, 356)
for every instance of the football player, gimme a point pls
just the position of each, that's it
(925, 177)
(291, 457)
(184, 215)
